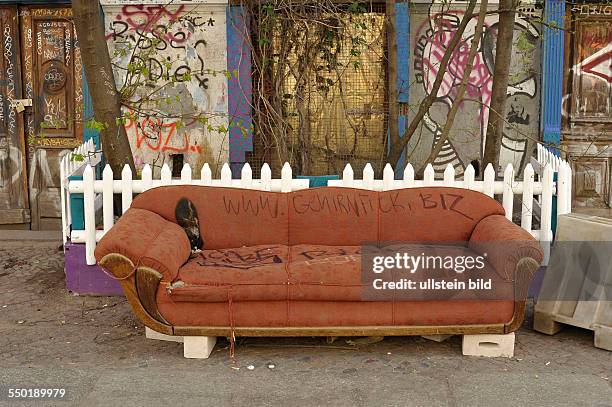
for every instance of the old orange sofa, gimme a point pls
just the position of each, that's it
(288, 264)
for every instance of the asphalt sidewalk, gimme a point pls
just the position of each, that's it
(93, 347)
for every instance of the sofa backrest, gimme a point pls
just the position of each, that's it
(232, 217)
(435, 214)
(229, 217)
(333, 216)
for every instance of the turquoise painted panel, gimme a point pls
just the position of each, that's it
(319, 181)
(77, 207)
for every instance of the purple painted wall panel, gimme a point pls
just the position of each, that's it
(239, 87)
(87, 280)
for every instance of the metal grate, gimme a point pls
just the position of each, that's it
(334, 93)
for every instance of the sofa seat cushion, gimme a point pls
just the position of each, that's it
(325, 273)
(256, 273)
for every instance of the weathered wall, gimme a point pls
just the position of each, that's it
(587, 103)
(192, 44)
(431, 29)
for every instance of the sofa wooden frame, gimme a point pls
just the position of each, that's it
(141, 284)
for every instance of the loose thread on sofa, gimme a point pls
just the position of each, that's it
(232, 326)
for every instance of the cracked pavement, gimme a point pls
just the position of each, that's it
(95, 348)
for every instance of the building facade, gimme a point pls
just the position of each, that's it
(199, 59)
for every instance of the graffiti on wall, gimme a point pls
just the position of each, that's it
(433, 31)
(182, 51)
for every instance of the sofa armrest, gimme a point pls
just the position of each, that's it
(512, 251)
(147, 240)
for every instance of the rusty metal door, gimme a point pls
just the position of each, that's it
(14, 205)
(52, 78)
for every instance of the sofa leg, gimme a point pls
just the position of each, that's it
(198, 347)
(492, 346)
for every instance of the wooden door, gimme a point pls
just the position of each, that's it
(52, 76)
(14, 212)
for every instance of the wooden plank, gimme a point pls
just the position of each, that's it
(14, 216)
(341, 331)
(13, 185)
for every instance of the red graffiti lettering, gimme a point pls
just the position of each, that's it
(156, 135)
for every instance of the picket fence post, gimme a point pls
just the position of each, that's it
(286, 177)
(246, 176)
(90, 215)
(508, 194)
(166, 175)
(388, 177)
(266, 177)
(147, 178)
(226, 175)
(449, 176)
(527, 208)
(409, 176)
(206, 175)
(468, 178)
(107, 197)
(186, 174)
(126, 188)
(347, 176)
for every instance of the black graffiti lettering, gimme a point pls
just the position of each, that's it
(251, 206)
(234, 259)
(339, 200)
(118, 28)
(393, 199)
(457, 199)
(428, 203)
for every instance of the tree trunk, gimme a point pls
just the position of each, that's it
(497, 108)
(106, 100)
(395, 152)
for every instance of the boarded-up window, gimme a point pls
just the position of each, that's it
(592, 74)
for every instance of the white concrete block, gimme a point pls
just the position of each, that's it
(488, 345)
(198, 347)
(151, 334)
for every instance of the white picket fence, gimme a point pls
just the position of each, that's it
(528, 188)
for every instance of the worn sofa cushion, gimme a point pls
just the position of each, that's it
(229, 217)
(256, 273)
(325, 273)
(433, 214)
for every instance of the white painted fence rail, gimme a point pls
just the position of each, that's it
(526, 187)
